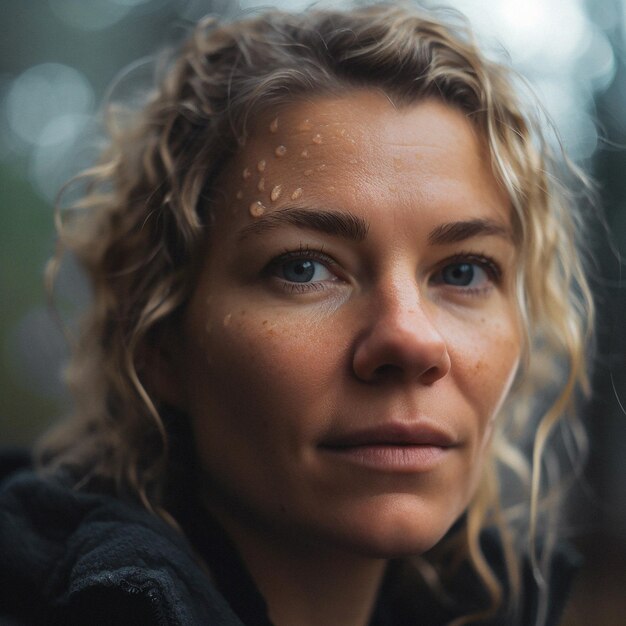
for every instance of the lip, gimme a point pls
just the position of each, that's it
(393, 446)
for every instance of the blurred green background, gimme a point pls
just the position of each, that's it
(57, 59)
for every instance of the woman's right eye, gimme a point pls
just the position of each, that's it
(303, 270)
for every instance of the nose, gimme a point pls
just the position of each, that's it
(400, 343)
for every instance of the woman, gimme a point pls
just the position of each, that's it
(330, 263)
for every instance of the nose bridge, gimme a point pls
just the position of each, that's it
(403, 308)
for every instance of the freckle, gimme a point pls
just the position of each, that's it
(317, 139)
(261, 185)
(280, 151)
(308, 172)
(297, 193)
(264, 322)
(304, 154)
(246, 173)
(274, 125)
(227, 319)
(306, 125)
(239, 195)
(257, 209)
(276, 192)
(321, 168)
(261, 165)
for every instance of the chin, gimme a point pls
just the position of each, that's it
(397, 532)
(394, 545)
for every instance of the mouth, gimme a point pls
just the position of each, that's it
(392, 447)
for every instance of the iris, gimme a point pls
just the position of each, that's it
(299, 270)
(460, 274)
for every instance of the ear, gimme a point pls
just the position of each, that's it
(157, 369)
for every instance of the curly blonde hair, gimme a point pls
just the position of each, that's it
(143, 219)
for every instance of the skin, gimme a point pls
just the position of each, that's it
(270, 369)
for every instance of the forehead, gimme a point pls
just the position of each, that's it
(362, 148)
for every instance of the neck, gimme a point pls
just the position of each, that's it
(308, 585)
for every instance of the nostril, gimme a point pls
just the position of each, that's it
(386, 371)
(431, 375)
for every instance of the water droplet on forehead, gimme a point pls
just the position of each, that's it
(317, 139)
(280, 151)
(257, 209)
(354, 161)
(274, 125)
(261, 165)
(227, 319)
(331, 188)
(261, 185)
(276, 191)
(297, 193)
(321, 168)
(305, 154)
(239, 195)
(308, 172)
(246, 173)
(305, 125)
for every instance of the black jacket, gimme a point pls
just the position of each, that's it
(73, 558)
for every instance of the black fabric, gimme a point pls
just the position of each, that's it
(73, 558)
(69, 557)
(229, 573)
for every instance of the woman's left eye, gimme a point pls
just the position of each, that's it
(467, 274)
(464, 275)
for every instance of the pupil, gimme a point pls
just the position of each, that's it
(299, 271)
(460, 275)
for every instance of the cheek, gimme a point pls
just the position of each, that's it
(486, 361)
(261, 367)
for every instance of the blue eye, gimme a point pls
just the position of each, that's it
(303, 270)
(463, 275)
(468, 274)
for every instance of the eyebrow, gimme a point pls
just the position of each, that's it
(338, 223)
(453, 232)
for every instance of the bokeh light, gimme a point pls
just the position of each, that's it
(91, 14)
(41, 95)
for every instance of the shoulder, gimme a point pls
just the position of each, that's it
(91, 558)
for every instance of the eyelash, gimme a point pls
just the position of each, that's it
(491, 267)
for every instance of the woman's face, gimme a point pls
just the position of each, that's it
(354, 330)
